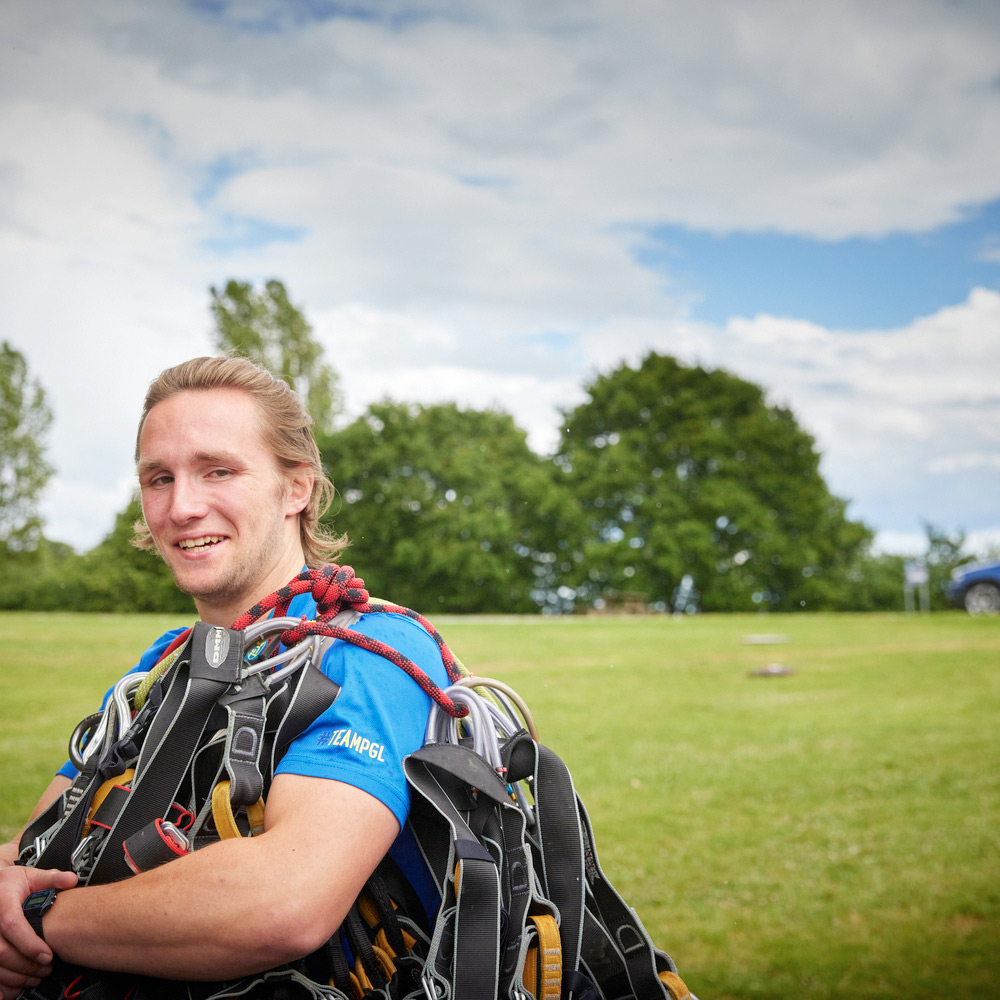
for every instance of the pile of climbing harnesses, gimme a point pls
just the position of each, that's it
(525, 912)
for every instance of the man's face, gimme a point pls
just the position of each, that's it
(220, 511)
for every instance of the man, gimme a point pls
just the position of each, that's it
(232, 491)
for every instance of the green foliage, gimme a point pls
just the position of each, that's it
(113, 576)
(686, 471)
(450, 509)
(116, 576)
(944, 553)
(265, 327)
(872, 583)
(24, 421)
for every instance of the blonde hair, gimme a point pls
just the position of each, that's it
(285, 425)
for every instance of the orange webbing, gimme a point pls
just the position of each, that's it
(542, 976)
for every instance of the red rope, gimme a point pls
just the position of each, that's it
(334, 587)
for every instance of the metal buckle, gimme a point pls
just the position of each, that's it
(83, 856)
(430, 986)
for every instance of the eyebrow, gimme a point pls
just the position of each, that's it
(205, 457)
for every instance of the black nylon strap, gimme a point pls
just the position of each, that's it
(623, 927)
(209, 664)
(477, 930)
(311, 695)
(516, 887)
(72, 808)
(357, 937)
(245, 741)
(440, 772)
(561, 842)
(583, 987)
(472, 850)
(378, 895)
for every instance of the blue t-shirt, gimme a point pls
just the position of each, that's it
(378, 718)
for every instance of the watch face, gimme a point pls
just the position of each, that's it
(39, 902)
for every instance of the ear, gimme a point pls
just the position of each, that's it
(300, 483)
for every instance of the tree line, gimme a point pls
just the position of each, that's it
(673, 488)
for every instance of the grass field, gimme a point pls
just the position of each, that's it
(832, 833)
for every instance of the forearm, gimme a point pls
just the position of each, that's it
(238, 906)
(214, 914)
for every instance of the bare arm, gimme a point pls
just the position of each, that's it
(239, 906)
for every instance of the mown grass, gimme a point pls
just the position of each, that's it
(833, 833)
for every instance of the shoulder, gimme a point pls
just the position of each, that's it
(153, 653)
(381, 632)
(390, 626)
(401, 633)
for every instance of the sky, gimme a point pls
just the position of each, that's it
(493, 203)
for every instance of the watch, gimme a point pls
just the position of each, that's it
(36, 906)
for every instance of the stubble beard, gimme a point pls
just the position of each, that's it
(241, 585)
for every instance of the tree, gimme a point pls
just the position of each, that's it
(686, 471)
(449, 509)
(944, 553)
(265, 327)
(119, 577)
(24, 421)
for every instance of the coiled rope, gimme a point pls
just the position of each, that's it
(333, 588)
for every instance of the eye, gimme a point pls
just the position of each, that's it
(220, 473)
(160, 480)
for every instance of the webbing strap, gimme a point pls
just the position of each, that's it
(70, 812)
(676, 986)
(543, 966)
(245, 710)
(477, 926)
(225, 819)
(561, 841)
(119, 781)
(309, 698)
(445, 775)
(198, 682)
(623, 928)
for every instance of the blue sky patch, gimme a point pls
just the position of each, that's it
(278, 15)
(852, 284)
(214, 176)
(244, 233)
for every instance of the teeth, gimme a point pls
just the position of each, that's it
(197, 543)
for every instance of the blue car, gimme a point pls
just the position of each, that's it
(976, 587)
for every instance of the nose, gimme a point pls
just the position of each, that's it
(187, 501)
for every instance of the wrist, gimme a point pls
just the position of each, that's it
(36, 906)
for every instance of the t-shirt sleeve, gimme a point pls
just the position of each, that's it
(377, 719)
(146, 662)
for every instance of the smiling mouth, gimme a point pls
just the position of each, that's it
(199, 544)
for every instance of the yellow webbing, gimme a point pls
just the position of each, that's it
(542, 976)
(225, 821)
(360, 977)
(102, 793)
(369, 913)
(675, 986)
(356, 988)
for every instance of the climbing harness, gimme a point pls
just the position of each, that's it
(184, 755)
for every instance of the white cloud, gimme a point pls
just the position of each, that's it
(471, 188)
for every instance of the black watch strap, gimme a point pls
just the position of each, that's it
(36, 906)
